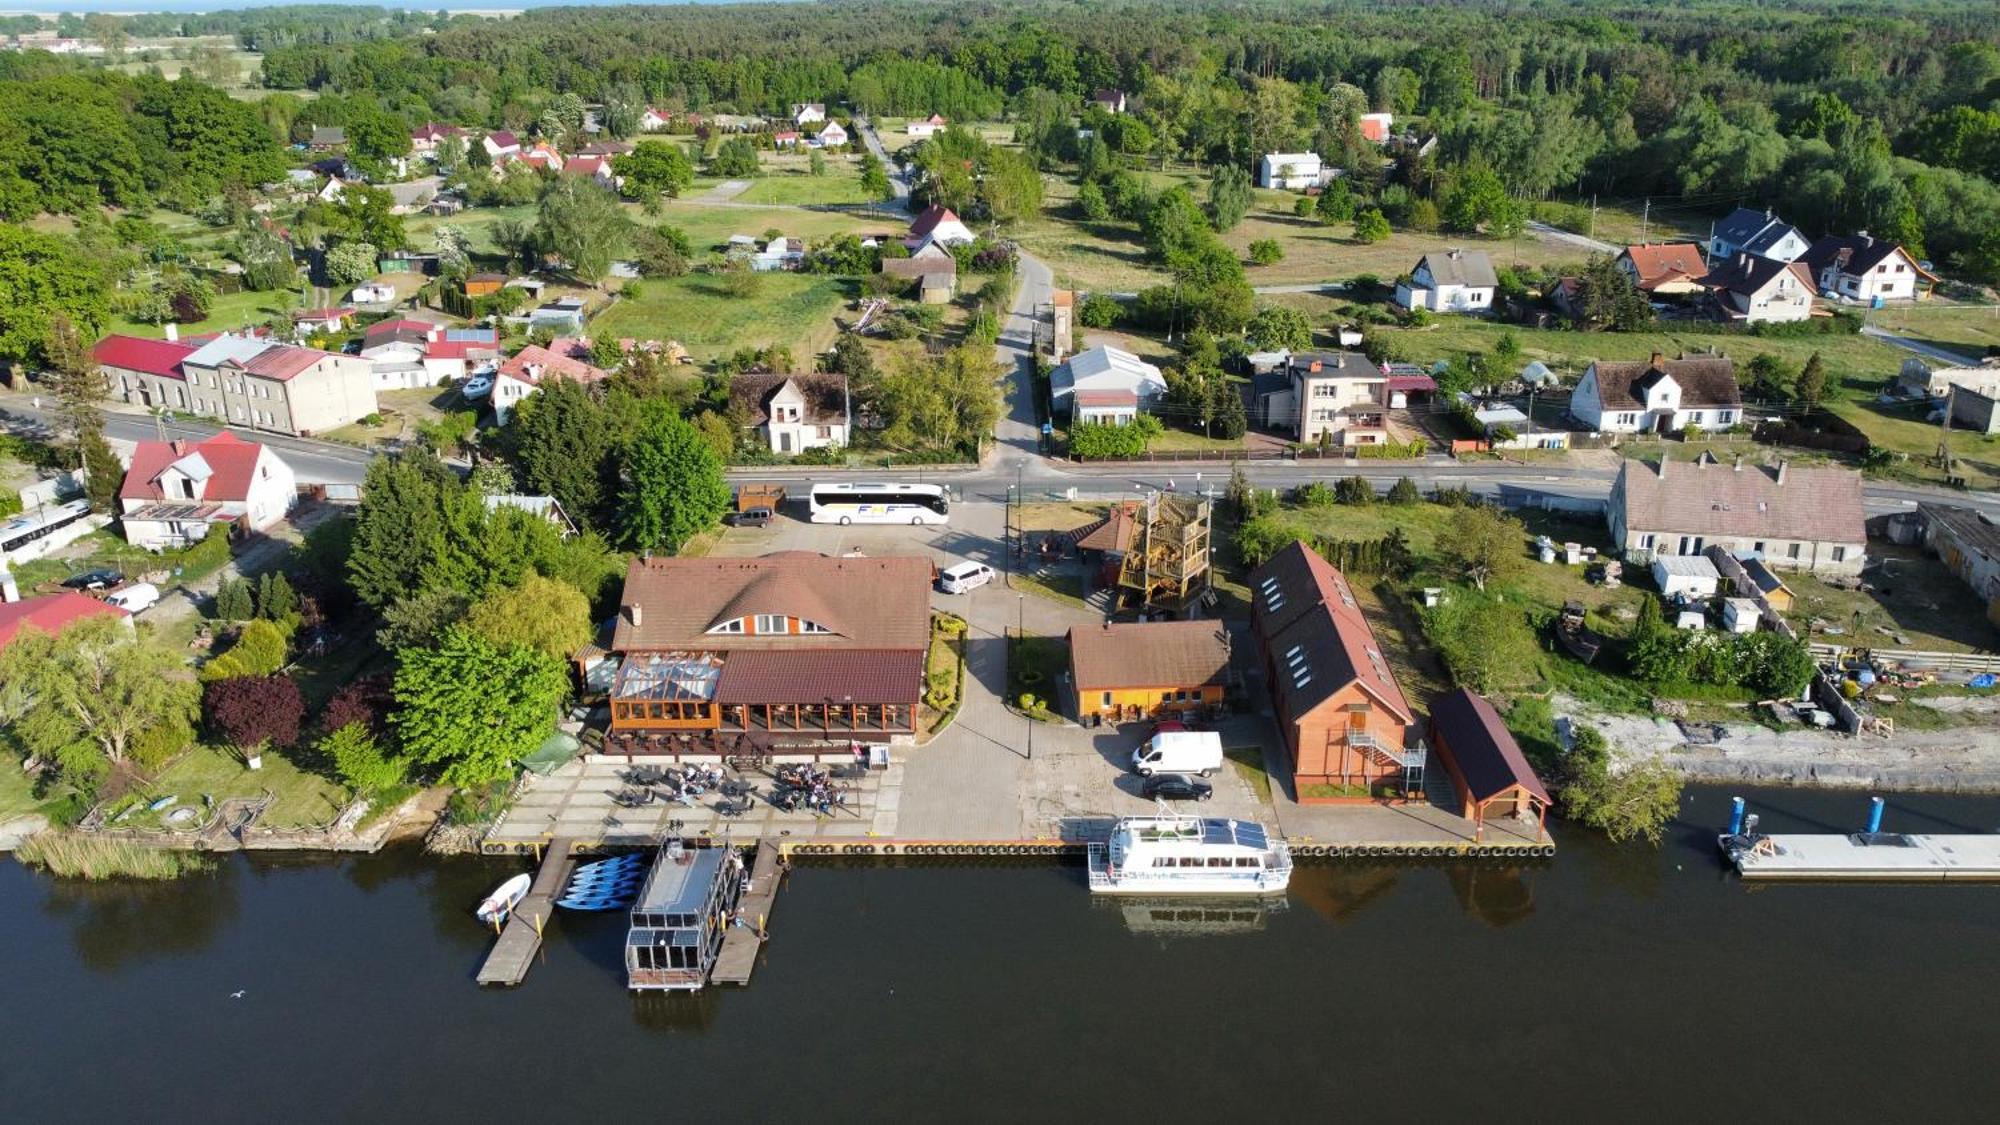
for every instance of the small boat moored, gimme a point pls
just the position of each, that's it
(504, 899)
(1171, 854)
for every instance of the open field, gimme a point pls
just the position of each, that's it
(789, 310)
(787, 179)
(228, 310)
(1967, 329)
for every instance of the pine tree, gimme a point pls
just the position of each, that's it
(80, 386)
(1811, 389)
(275, 598)
(232, 600)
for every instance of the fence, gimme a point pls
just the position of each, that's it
(1914, 659)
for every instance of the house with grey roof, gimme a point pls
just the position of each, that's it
(1865, 269)
(1793, 517)
(1106, 384)
(1450, 281)
(1757, 233)
(1328, 397)
(1660, 395)
(1753, 290)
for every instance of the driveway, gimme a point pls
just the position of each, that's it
(1928, 351)
(725, 191)
(873, 142)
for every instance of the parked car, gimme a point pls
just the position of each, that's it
(103, 578)
(1169, 726)
(965, 577)
(750, 517)
(136, 597)
(1177, 787)
(1183, 751)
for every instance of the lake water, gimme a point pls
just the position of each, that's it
(1606, 985)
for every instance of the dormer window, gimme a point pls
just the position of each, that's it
(772, 623)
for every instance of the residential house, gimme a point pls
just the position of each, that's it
(653, 120)
(1968, 542)
(933, 271)
(327, 138)
(1105, 384)
(928, 127)
(1794, 517)
(1753, 290)
(1866, 270)
(779, 254)
(307, 322)
(1757, 233)
(794, 413)
(547, 507)
(540, 156)
(1918, 378)
(1659, 396)
(1376, 126)
(832, 136)
(527, 370)
(332, 190)
(1485, 764)
(785, 138)
(607, 149)
(1110, 101)
(500, 145)
(1289, 171)
(597, 168)
(1127, 671)
(1326, 397)
(1450, 281)
(244, 380)
(939, 224)
(788, 652)
(808, 113)
(175, 492)
(50, 614)
(1343, 717)
(410, 354)
(425, 138)
(1663, 269)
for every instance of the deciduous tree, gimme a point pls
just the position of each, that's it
(93, 692)
(674, 486)
(1485, 544)
(253, 712)
(470, 709)
(551, 617)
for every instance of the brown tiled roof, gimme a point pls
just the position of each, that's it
(824, 392)
(1812, 503)
(869, 676)
(1150, 654)
(919, 267)
(1469, 731)
(1703, 382)
(1315, 635)
(881, 603)
(1660, 262)
(1114, 532)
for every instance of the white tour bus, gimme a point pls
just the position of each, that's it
(879, 503)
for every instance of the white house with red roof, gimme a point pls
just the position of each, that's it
(176, 491)
(51, 614)
(541, 156)
(785, 138)
(929, 127)
(597, 167)
(425, 138)
(941, 225)
(242, 379)
(309, 321)
(413, 354)
(500, 144)
(524, 373)
(653, 120)
(1375, 126)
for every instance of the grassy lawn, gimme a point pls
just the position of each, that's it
(1174, 440)
(477, 223)
(1248, 762)
(228, 310)
(1063, 583)
(303, 799)
(1034, 665)
(1915, 603)
(791, 310)
(788, 180)
(1967, 329)
(944, 674)
(709, 225)
(17, 795)
(1057, 517)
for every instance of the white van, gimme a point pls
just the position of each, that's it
(965, 577)
(1179, 751)
(133, 598)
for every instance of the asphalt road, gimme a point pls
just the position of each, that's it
(313, 462)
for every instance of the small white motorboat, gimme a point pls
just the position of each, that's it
(504, 899)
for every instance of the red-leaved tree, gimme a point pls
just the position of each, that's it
(255, 711)
(360, 701)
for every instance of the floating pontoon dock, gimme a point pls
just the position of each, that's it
(1871, 854)
(741, 944)
(514, 953)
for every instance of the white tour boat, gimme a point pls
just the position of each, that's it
(1188, 855)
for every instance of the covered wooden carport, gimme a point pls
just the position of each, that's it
(1486, 766)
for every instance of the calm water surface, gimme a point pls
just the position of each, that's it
(1607, 985)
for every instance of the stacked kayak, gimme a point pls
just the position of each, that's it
(608, 884)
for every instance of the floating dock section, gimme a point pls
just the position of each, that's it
(1871, 854)
(741, 944)
(514, 954)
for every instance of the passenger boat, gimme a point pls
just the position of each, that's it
(504, 899)
(1171, 854)
(680, 917)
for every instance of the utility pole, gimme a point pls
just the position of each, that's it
(1645, 220)
(1944, 430)
(1592, 233)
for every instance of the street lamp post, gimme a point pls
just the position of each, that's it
(1021, 639)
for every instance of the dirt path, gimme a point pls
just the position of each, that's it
(725, 191)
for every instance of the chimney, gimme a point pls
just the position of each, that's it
(1739, 462)
(632, 612)
(1663, 466)
(1659, 361)
(435, 334)
(173, 331)
(9, 592)
(179, 447)
(1866, 238)
(1781, 474)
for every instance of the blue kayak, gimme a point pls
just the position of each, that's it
(612, 877)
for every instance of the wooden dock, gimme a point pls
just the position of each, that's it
(1866, 855)
(741, 944)
(514, 954)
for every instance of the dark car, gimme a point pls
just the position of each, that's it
(751, 517)
(1177, 787)
(103, 578)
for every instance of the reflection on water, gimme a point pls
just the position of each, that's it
(1341, 891)
(126, 922)
(1190, 916)
(1497, 896)
(676, 1011)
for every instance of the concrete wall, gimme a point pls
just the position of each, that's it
(335, 392)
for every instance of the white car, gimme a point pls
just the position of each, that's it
(134, 598)
(965, 577)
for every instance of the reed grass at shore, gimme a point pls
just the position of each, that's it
(72, 855)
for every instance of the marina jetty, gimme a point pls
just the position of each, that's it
(1870, 854)
(521, 935)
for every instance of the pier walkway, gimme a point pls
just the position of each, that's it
(521, 937)
(741, 944)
